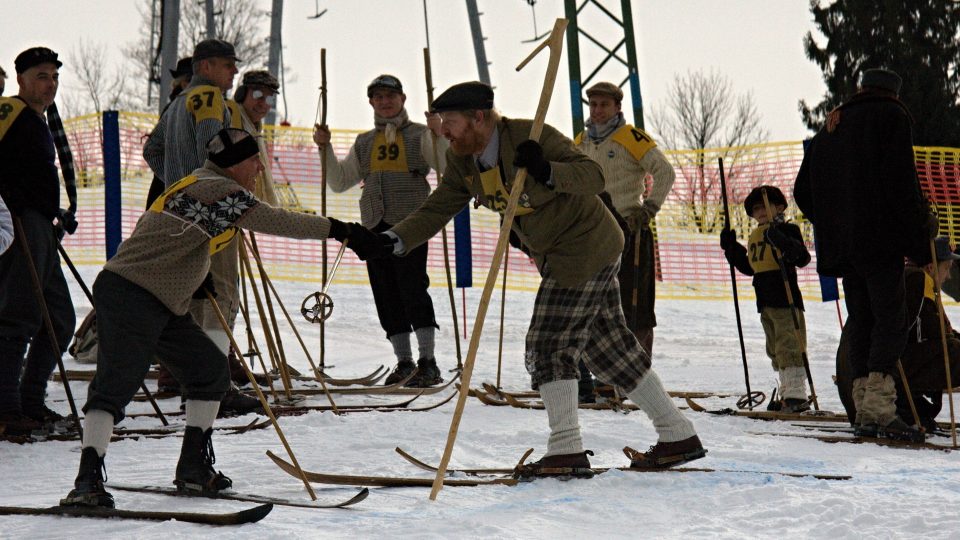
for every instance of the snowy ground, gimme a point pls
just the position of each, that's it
(894, 493)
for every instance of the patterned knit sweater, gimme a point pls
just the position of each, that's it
(168, 253)
(625, 176)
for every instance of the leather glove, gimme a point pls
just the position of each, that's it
(368, 244)
(728, 239)
(338, 230)
(529, 155)
(932, 226)
(67, 222)
(642, 218)
(207, 285)
(776, 238)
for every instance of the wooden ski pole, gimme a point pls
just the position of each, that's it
(906, 388)
(252, 347)
(86, 291)
(443, 231)
(794, 310)
(555, 43)
(733, 281)
(943, 340)
(503, 306)
(284, 367)
(323, 202)
(260, 396)
(21, 238)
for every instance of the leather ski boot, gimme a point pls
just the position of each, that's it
(897, 429)
(88, 488)
(195, 472)
(428, 374)
(166, 384)
(17, 424)
(563, 466)
(664, 455)
(402, 370)
(791, 405)
(236, 403)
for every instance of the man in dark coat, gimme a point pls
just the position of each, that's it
(858, 186)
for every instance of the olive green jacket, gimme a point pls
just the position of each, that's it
(570, 234)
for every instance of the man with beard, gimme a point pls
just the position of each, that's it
(576, 244)
(393, 160)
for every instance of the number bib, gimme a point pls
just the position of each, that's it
(10, 109)
(635, 140)
(388, 157)
(218, 242)
(205, 102)
(761, 253)
(496, 193)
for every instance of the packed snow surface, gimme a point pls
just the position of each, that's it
(894, 492)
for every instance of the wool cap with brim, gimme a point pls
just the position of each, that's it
(464, 97)
(884, 79)
(774, 195)
(34, 57)
(214, 48)
(261, 79)
(946, 250)
(606, 89)
(233, 152)
(184, 68)
(384, 82)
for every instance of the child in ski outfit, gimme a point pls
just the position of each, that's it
(772, 243)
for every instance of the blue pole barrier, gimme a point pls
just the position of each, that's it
(112, 222)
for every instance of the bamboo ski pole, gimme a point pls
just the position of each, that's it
(21, 238)
(555, 43)
(323, 202)
(443, 232)
(252, 348)
(733, 281)
(89, 295)
(284, 367)
(906, 388)
(503, 306)
(260, 396)
(794, 310)
(943, 340)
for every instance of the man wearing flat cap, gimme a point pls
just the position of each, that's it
(576, 244)
(252, 101)
(628, 156)
(30, 186)
(175, 148)
(858, 186)
(180, 81)
(392, 161)
(142, 298)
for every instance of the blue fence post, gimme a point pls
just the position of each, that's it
(463, 248)
(112, 222)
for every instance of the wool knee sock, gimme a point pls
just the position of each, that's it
(669, 422)
(560, 400)
(401, 346)
(97, 430)
(201, 413)
(425, 341)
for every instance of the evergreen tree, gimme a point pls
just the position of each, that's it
(917, 39)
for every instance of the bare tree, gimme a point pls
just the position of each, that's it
(97, 86)
(702, 113)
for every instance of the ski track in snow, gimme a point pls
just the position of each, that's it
(894, 493)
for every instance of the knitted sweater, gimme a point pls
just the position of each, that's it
(625, 174)
(178, 144)
(168, 253)
(388, 196)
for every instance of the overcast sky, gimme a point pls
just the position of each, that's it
(757, 43)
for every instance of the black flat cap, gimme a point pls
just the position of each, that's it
(464, 97)
(34, 57)
(214, 48)
(388, 82)
(184, 68)
(884, 79)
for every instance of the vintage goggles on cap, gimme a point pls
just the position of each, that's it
(271, 99)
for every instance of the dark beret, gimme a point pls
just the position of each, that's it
(34, 57)
(464, 97)
(883, 79)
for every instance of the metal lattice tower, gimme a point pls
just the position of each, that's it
(614, 52)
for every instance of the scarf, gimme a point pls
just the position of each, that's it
(390, 126)
(602, 131)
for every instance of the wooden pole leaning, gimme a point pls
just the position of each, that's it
(252, 347)
(555, 43)
(736, 301)
(271, 349)
(943, 340)
(794, 310)
(443, 232)
(503, 308)
(260, 396)
(323, 204)
(906, 388)
(281, 354)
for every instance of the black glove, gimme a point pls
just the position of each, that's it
(368, 244)
(529, 155)
(776, 238)
(728, 239)
(338, 230)
(207, 285)
(67, 222)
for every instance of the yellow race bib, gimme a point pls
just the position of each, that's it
(236, 121)
(497, 195)
(635, 140)
(760, 252)
(386, 157)
(205, 102)
(217, 242)
(10, 109)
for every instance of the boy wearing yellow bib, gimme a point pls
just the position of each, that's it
(785, 345)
